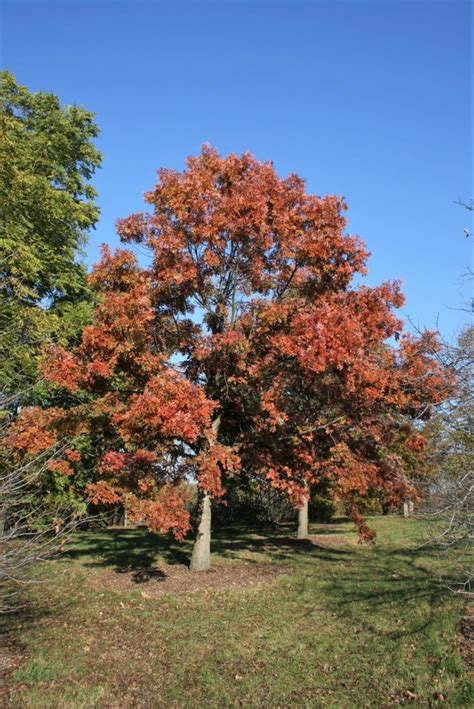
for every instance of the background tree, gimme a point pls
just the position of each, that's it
(449, 492)
(47, 158)
(31, 528)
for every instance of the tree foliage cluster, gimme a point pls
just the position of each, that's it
(47, 157)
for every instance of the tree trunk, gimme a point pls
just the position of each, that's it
(303, 526)
(201, 557)
(3, 517)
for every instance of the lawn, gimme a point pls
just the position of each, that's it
(323, 624)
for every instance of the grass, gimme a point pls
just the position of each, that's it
(349, 626)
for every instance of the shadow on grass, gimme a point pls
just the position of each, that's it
(277, 548)
(393, 588)
(359, 584)
(143, 574)
(20, 606)
(136, 551)
(130, 550)
(390, 592)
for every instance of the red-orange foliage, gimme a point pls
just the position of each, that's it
(246, 319)
(130, 412)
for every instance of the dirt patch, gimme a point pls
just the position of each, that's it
(328, 541)
(176, 578)
(467, 639)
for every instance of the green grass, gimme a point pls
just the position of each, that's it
(350, 626)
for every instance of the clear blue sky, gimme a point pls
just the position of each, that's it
(371, 100)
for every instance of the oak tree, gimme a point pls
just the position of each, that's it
(257, 274)
(242, 349)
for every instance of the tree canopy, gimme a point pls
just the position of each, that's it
(241, 349)
(47, 159)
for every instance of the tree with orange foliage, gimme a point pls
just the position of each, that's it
(257, 274)
(243, 350)
(341, 404)
(126, 414)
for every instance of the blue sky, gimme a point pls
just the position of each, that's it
(370, 100)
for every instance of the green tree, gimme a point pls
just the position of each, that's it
(47, 158)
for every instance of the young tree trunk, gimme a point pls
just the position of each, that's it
(3, 517)
(303, 525)
(201, 557)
